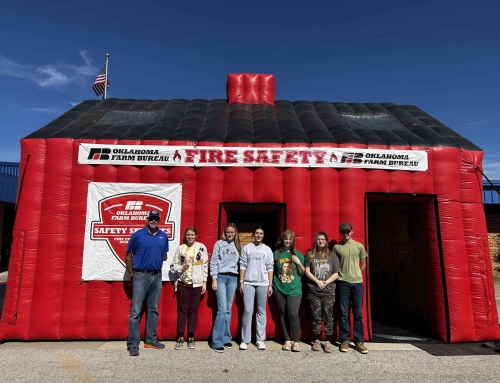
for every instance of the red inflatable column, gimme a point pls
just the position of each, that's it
(324, 203)
(22, 266)
(74, 292)
(477, 249)
(209, 183)
(447, 187)
(54, 223)
(352, 187)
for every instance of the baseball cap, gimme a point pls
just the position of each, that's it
(154, 214)
(345, 226)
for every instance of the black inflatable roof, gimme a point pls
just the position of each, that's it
(304, 122)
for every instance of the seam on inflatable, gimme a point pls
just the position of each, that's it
(13, 320)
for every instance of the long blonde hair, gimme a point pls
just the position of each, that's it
(236, 237)
(280, 243)
(325, 252)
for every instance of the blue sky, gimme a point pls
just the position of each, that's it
(443, 56)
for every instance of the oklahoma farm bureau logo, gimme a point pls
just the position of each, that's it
(126, 154)
(122, 215)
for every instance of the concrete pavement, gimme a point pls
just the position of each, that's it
(109, 361)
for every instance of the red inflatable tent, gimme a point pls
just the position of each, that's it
(410, 186)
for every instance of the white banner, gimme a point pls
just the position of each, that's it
(316, 157)
(117, 210)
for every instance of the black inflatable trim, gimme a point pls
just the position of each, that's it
(298, 122)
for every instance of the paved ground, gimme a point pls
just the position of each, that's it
(108, 361)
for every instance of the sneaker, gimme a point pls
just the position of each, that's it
(316, 345)
(243, 346)
(157, 345)
(179, 344)
(219, 349)
(360, 347)
(133, 351)
(191, 344)
(228, 345)
(260, 345)
(344, 347)
(328, 347)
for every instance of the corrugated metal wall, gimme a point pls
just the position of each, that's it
(9, 174)
(490, 195)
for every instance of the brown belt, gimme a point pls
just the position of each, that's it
(152, 272)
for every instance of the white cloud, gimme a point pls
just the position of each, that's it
(491, 166)
(475, 124)
(87, 69)
(54, 77)
(54, 109)
(51, 75)
(49, 109)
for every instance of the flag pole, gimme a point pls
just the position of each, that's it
(106, 78)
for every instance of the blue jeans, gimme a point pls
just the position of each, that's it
(226, 288)
(352, 292)
(150, 285)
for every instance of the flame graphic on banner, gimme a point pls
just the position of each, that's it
(177, 156)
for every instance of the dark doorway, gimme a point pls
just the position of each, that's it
(271, 216)
(399, 296)
(6, 233)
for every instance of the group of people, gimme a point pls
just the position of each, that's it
(257, 273)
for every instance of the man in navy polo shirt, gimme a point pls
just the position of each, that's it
(146, 250)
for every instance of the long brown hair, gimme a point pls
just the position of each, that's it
(280, 243)
(236, 236)
(325, 252)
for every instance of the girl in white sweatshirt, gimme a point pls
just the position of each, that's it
(256, 276)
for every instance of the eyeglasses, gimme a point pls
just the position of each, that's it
(154, 219)
(345, 231)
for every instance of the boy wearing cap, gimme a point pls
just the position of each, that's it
(352, 256)
(146, 250)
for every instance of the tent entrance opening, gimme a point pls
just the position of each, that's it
(398, 265)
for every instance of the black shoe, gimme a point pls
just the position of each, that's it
(133, 351)
(219, 349)
(191, 344)
(228, 345)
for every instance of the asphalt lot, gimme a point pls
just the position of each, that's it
(109, 361)
(98, 361)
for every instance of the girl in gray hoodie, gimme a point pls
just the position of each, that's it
(224, 273)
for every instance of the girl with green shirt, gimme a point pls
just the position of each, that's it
(287, 286)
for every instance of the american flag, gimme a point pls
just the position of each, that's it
(99, 82)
